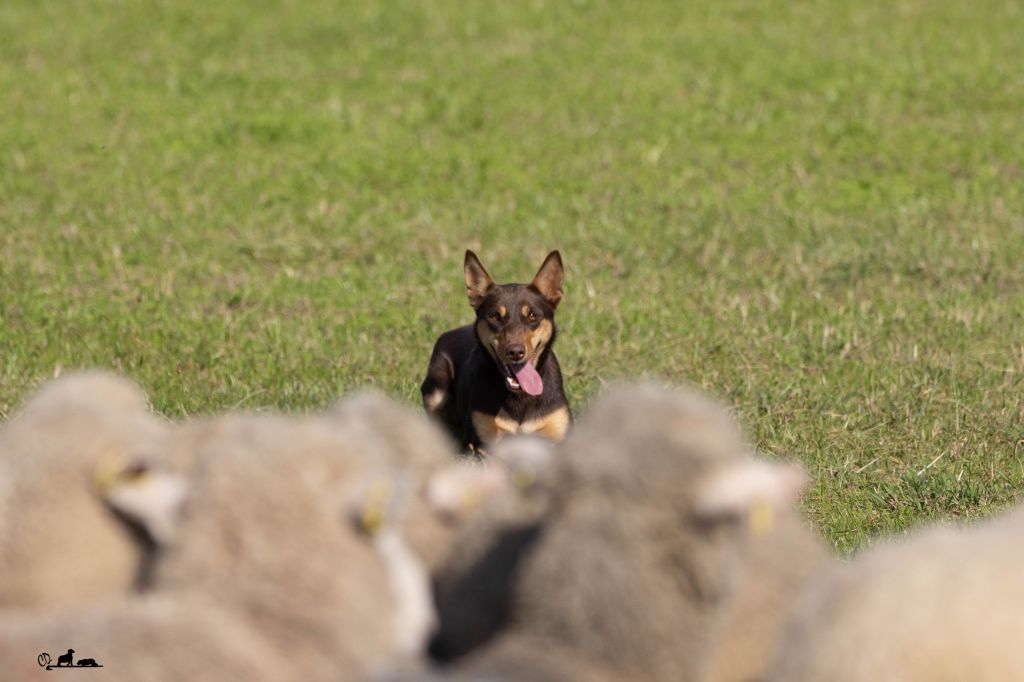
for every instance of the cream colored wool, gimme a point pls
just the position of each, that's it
(780, 558)
(628, 568)
(942, 605)
(59, 543)
(286, 551)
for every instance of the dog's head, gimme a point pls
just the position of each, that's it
(516, 322)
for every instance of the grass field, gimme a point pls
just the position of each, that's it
(814, 210)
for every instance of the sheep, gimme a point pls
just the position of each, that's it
(508, 499)
(943, 604)
(270, 503)
(455, 491)
(150, 637)
(289, 544)
(59, 544)
(403, 441)
(628, 568)
(782, 555)
(511, 659)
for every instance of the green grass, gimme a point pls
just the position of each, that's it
(814, 210)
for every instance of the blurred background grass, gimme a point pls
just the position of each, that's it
(813, 210)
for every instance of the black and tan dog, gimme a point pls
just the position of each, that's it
(499, 376)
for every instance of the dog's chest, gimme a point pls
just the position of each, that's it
(492, 427)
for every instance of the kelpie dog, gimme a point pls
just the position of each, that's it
(499, 376)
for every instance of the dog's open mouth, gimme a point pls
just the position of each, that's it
(522, 376)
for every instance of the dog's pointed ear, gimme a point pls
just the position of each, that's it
(548, 280)
(478, 282)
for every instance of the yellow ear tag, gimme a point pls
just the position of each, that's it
(108, 471)
(761, 518)
(374, 510)
(524, 478)
(470, 500)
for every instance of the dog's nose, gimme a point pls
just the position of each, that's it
(516, 352)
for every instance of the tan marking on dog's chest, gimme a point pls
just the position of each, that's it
(553, 426)
(492, 427)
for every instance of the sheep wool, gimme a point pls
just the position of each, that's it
(626, 570)
(60, 545)
(942, 605)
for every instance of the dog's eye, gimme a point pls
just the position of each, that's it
(532, 316)
(495, 317)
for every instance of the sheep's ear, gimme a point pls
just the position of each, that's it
(377, 502)
(459, 490)
(744, 488)
(478, 282)
(524, 450)
(548, 280)
(152, 499)
(523, 458)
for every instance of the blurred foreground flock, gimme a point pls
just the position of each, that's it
(653, 543)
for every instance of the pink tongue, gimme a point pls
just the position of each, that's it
(528, 379)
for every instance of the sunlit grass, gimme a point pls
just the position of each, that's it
(812, 210)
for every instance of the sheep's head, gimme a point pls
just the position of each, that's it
(674, 461)
(408, 452)
(420, 492)
(62, 546)
(307, 520)
(653, 491)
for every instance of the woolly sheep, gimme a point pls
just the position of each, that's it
(627, 570)
(265, 530)
(150, 637)
(779, 559)
(943, 605)
(59, 544)
(291, 540)
(511, 659)
(508, 500)
(402, 441)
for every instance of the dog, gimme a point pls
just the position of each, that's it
(65, 659)
(499, 376)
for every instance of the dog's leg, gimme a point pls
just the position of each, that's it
(471, 441)
(437, 387)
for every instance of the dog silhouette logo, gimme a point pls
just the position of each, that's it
(65, 661)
